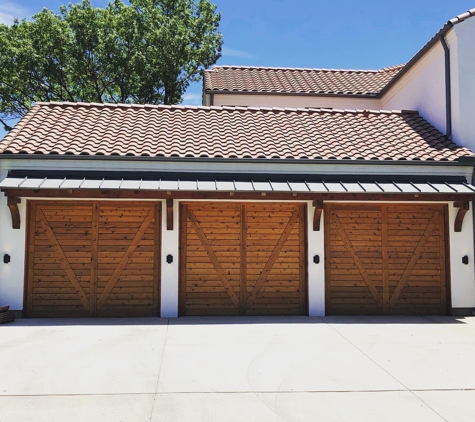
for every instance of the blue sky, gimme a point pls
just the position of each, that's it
(345, 34)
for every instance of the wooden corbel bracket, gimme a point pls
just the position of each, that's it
(463, 207)
(12, 203)
(317, 216)
(169, 214)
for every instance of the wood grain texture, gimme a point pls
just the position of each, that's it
(261, 259)
(463, 208)
(12, 203)
(93, 258)
(401, 248)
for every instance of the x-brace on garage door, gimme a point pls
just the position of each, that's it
(242, 259)
(386, 258)
(89, 258)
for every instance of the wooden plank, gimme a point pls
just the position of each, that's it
(156, 260)
(31, 257)
(357, 259)
(444, 259)
(94, 257)
(63, 260)
(384, 256)
(243, 263)
(413, 260)
(302, 260)
(214, 260)
(275, 253)
(125, 259)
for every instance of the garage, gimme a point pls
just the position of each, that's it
(242, 259)
(386, 259)
(92, 258)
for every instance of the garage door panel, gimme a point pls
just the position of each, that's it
(412, 245)
(68, 257)
(242, 245)
(122, 271)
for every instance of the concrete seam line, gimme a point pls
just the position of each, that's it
(387, 372)
(159, 370)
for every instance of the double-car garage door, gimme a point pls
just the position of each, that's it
(102, 258)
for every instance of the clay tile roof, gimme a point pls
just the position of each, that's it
(227, 132)
(294, 80)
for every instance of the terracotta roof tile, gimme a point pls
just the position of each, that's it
(227, 132)
(294, 80)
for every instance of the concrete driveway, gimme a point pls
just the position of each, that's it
(238, 369)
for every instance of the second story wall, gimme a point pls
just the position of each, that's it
(463, 83)
(293, 101)
(422, 88)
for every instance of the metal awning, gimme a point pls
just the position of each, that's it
(278, 186)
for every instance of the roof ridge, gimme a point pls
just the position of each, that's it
(225, 108)
(463, 16)
(306, 69)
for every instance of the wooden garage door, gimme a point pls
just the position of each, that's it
(242, 259)
(385, 259)
(92, 258)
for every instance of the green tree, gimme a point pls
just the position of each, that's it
(146, 52)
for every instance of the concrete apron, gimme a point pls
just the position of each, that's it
(238, 369)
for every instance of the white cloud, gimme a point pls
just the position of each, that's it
(6, 18)
(9, 11)
(227, 51)
(192, 99)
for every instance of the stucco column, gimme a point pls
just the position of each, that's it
(316, 272)
(170, 272)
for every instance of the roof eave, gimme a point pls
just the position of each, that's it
(374, 95)
(461, 161)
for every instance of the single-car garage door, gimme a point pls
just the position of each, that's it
(385, 259)
(242, 259)
(92, 258)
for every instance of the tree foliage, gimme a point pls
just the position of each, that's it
(145, 52)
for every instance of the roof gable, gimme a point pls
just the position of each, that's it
(227, 133)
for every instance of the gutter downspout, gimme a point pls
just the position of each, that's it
(448, 90)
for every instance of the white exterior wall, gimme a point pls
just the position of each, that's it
(462, 276)
(463, 84)
(316, 272)
(294, 101)
(12, 242)
(170, 272)
(422, 88)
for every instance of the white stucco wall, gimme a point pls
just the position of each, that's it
(12, 242)
(170, 272)
(294, 101)
(422, 88)
(463, 86)
(316, 272)
(462, 276)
